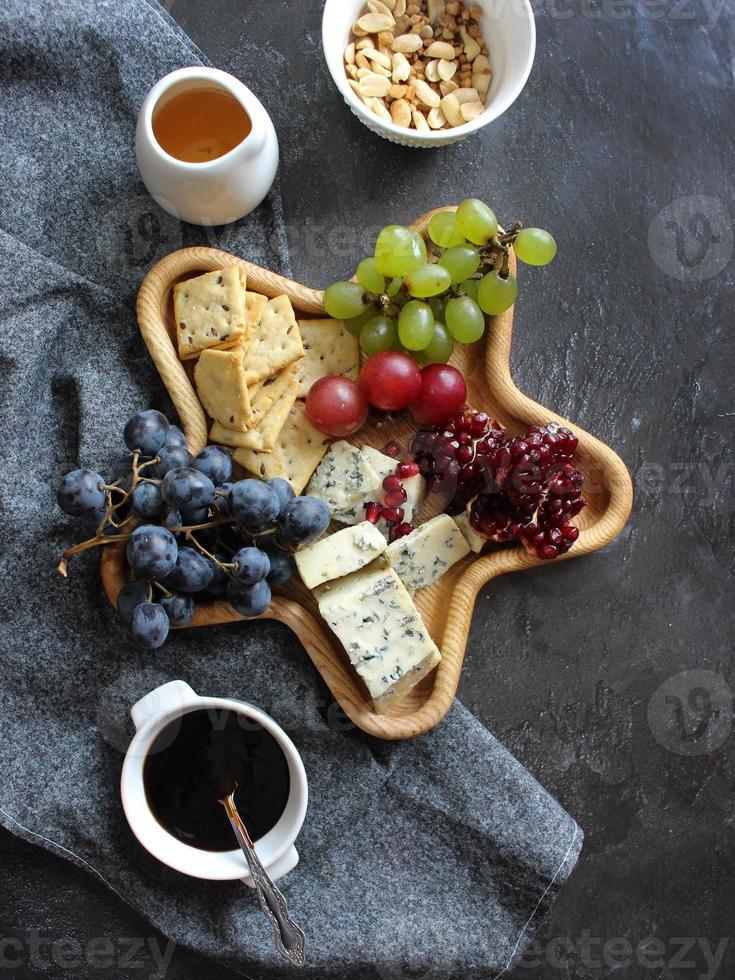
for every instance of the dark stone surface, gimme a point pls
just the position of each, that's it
(628, 112)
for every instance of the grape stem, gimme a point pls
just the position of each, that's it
(225, 566)
(158, 586)
(98, 539)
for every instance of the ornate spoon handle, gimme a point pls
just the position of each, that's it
(289, 937)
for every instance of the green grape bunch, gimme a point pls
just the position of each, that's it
(406, 300)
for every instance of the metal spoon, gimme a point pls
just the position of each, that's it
(289, 938)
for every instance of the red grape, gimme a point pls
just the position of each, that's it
(443, 394)
(336, 406)
(390, 380)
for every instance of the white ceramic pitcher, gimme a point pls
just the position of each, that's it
(217, 191)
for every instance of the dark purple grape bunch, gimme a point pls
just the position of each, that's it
(202, 534)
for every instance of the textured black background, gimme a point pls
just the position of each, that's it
(628, 112)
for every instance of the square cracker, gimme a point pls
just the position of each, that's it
(330, 349)
(209, 310)
(254, 306)
(264, 436)
(295, 456)
(276, 341)
(220, 381)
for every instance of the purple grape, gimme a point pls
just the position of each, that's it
(82, 492)
(251, 565)
(283, 567)
(171, 458)
(146, 432)
(304, 519)
(178, 608)
(146, 501)
(152, 551)
(130, 596)
(249, 600)
(214, 463)
(253, 504)
(284, 490)
(192, 572)
(150, 624)
(175, 437)
(187, 489)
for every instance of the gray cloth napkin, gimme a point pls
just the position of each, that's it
(434, 857)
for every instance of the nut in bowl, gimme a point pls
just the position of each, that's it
(429, 113)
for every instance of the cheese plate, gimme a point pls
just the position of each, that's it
(446, 604)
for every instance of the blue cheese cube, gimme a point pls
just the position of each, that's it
(470, 535)
(381, 630)
(339, 554)
(424, 555)
(343, 478)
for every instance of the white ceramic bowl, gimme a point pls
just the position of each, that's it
(275, 849)
(510, 34)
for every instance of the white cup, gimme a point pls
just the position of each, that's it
(217, 191)
(275, 849)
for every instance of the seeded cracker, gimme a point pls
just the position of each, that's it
(330, 349)
(295, 456)
(264, 436)
(220, 381)
(276, 341)
(254, 306)
(209, 311)
(267, 394)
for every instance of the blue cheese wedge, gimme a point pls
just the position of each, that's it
(470, 535)
(381, 630)
(343, 478)
(424, 555)
(415, 487)
(339, 554)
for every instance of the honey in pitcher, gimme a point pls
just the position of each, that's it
(199, 125)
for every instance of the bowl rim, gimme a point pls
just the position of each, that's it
(436, 136)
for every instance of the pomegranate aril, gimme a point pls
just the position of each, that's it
(391, 484)
(393, 515)
(465, 455)
(407, 470)
(394, 498)
(400, 531)
(392, 449)
(373, 512)
(547, 552)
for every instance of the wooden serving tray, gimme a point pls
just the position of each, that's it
(447, 605)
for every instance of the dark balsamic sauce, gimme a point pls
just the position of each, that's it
(195, 761)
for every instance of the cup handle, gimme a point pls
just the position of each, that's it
(278, 870)
(174, 694)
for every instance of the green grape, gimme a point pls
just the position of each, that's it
(465, 320)
(443, 230)
(399, 250)
(534, 246)
(495, 294)
(369, 277)
(461, 262)
(355, 323)
(415, 325)
(378, 334)
(429, 280)
(420, 244)
(440, 347)
(344, 299)
(476, 221)
(394, 287)
(437, 304)
(469, 287)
